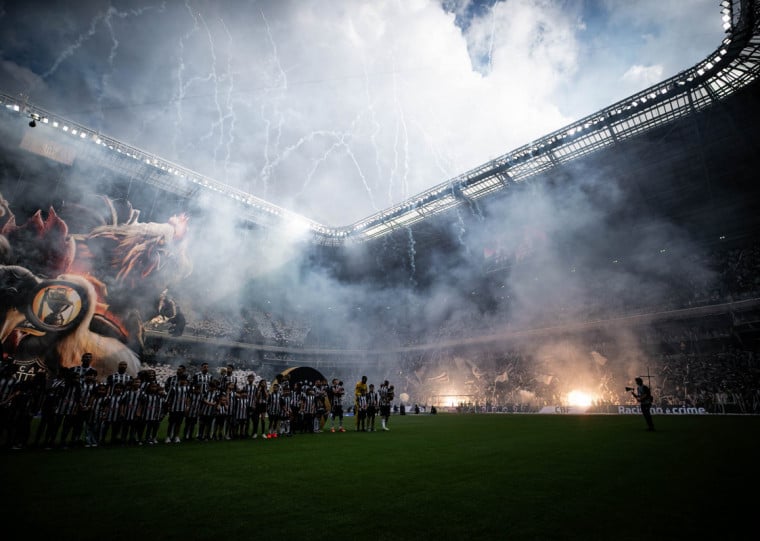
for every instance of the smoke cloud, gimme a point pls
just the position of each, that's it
(337, 110)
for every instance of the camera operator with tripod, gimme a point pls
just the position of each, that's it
(643, 395)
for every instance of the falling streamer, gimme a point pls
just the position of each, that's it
(183, 86)
(71, 49)
(229, 116)
(412, 256)
(272, 143)
(403, 135)
(375, 124)
(461, 230)
(491, 37)
(214, 78)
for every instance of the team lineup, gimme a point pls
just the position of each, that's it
(80, 408)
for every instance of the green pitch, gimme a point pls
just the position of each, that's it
(446, 476)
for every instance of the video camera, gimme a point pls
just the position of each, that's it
(629, 389)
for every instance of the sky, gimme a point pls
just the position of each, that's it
(338, 109)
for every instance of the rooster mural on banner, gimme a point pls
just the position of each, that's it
(82, 278)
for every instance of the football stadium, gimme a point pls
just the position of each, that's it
(204, 334)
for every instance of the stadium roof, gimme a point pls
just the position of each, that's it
(733, 66)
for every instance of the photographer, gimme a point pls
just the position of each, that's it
(644, 397)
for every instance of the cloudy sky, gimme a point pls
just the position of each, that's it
(334, 108)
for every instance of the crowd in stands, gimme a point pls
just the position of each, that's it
(696, 279)
(720, 276)
(690, 364)
(192, 355)
(222, 327)
(721, 382)
(249, 326)
(721, 378)
(740, 272)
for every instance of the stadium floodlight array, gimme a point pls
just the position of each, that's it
(734, 65)
(156, 170)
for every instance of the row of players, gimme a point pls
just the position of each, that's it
(123, 409)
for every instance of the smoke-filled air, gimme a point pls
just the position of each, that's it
(335, 111)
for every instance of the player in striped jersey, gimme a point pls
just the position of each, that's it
(386, 399)
(193, 411)
(286, 416)
(147, 377)
(275, 409)
(239, 414)
(89, 384)
(222, 418)
(152, 408)
(47, 428)
(84, 365)
(373, 402)
(296, 414)
(261, 399)
(250, 393)
(309, 408)
(359, 389)
(133, 427)
(173, 380)
(7, 384)
(229, 380)
(68, 405)
(336, 404)
(361, 412)
(120, 376)
(177, 402)
(208, 411)
(23, 402)
(98, 413)
(114, 420)
(323, 403)
(203, 377)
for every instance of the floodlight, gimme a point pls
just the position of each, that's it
(404, 219)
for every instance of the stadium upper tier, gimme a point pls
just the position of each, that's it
(732, 66)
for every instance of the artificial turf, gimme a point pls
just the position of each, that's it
(445, 476)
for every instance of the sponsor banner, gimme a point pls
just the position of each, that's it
(668, 410)
(624, 410)
(564, 409)
(37, 143)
